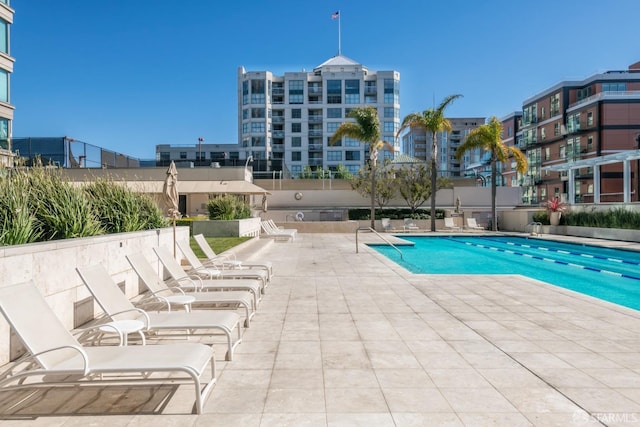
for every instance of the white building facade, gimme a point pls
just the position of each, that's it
(285, 122)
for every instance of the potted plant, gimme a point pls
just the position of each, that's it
(555, 208)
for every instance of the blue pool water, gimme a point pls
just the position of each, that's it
(609, 274)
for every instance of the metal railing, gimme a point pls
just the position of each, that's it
(379, 235)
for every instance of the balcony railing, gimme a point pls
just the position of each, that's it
(315, 119)
(277, 119)
(370, 90)
(314, 132)
(314, 90)
(315, 147)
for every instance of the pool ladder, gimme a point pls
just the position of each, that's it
(534, 228)
(379, 235)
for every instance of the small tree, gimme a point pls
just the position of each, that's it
(385, 184)
(414, 184)
(342, 172)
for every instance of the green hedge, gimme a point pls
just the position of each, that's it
(393, 213)
(613, 218)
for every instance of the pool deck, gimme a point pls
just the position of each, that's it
(346, 339)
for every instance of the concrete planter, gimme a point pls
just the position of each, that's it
(594, 232)
(235, 228)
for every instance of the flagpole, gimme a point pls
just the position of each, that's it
(339, 34)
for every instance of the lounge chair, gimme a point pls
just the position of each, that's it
(409, 225)
(386, 225)
(450, 225)
(473, 225)
(277, 234)
(117, 306)
(216, 271)
(184, 280)
(174, 295)
(273, 225)
(229, 258)
(56, 358)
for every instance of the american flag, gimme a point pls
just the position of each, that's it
(335, 15)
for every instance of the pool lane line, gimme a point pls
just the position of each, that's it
(566, 252)
(555, 261)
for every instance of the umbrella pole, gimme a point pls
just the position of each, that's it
(174, 238)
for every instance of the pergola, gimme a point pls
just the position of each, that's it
(624, 157)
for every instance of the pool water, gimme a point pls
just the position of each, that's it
(609, 274)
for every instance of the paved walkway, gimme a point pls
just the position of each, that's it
(346, 339)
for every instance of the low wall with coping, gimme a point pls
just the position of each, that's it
(52, 267)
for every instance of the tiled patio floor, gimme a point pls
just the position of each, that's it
(346, 339)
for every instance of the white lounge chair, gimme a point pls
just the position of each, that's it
(184, 280)
(269, 231)
(117, 306)
(273, 225)
(450, 225)
(174, 295)
(56, 358)
(386, 225)
(473, 225)
(409, 225)
(216, 271)
(229, 258)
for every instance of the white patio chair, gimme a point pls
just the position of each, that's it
(473, 225)
(450, 225)
(229, 258)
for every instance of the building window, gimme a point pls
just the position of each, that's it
(296, 141)
(165, 156)
(614, 87)
(555, 105)
(351, 142)
(257, 127)
(338, 143)
(562, 152)
(245, 128)
(352, 91)
(391, 91)
(590, 118)
(333, 126)
(296, 156)
(296, 127)
(352, 155)
(590, 143)
(4, 36)
(334, 113)
(389, 112)
(334, 92)
(257, 113)
(257, 92)
(542, 113)
(510, 131)
(390, 127)
(4, 86)
(296, 91)
(556, 129)
(245, 113)
(245, 92)
(257, 141)
(296, 170)
(296, 113)
(547, 153)
(183, 155)
(334, 156)
(543, 134)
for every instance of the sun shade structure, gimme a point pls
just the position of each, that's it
(56, 358)
(624, 157)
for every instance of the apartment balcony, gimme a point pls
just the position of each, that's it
(277, 134)
(315, 162)
(313, 132)
(315, 101)
(277, 119)
(420, 146)
(315, 119)
(277, 91)
(314, 90)
(370, 90)
(315, 147)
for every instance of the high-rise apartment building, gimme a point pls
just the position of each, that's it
(6, 68)
(578, 120)
(285, 122)
(418, 143)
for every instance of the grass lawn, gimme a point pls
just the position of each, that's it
(218, 244)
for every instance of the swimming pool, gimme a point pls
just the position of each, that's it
(609, 274)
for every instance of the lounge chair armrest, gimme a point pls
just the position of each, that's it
(147, 321)
(79, 349)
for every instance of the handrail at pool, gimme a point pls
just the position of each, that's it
(379, 235)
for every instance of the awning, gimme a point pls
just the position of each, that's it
(206, 187)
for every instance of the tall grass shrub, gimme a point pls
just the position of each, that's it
(18, 222)
(228, 207)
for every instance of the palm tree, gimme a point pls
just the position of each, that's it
(365, 129)
(488, 137)
(432, 121)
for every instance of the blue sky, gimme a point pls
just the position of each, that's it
(129, 74)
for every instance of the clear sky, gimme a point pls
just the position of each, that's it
(129, 74)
